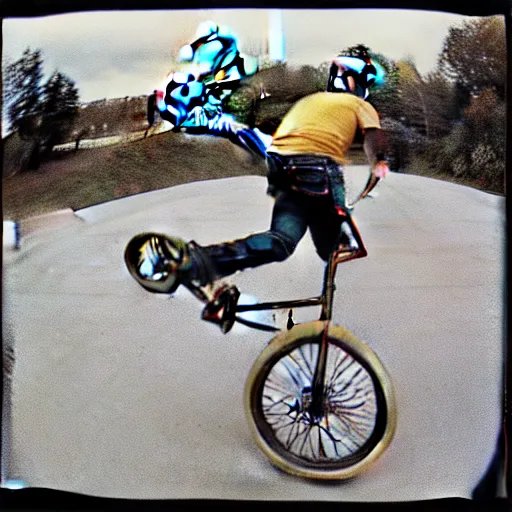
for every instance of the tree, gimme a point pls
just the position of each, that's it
(485, 119)
(474, 57)
(359, 50)
(411, 91)
(42, 113)
(59, 109)
(426, 103)
(322, 75)
(474, 60)
(242, 104)
(23, 92)
(309, 79)
(440, 101)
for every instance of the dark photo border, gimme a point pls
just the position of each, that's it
(39, 498)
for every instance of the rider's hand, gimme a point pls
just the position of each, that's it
(380, 169)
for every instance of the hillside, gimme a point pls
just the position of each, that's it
(103, 118)
(91, 176)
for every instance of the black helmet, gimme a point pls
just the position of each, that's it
(365, 73)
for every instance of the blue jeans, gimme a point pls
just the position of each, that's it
(295, 211)
(293, 214)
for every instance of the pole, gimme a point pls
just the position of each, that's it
(276, 44)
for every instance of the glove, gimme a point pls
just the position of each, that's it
(380, 169)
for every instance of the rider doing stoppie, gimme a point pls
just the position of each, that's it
(305, 161)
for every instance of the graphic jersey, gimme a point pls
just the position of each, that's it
(323, 123)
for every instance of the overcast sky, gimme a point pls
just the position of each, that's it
(116, 54)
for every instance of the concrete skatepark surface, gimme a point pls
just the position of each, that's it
(120, 393)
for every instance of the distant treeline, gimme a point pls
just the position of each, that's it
(103, 118)
(450, 121)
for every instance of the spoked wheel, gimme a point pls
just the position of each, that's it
(355, 421)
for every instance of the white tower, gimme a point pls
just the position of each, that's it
(276, 47)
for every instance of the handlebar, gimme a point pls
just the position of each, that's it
(370, 185)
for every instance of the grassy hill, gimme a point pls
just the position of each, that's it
(91, 176)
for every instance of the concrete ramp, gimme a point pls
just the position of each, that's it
(117, 392)
(48, 222)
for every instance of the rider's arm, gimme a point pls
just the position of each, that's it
(374, 141)
(223, 125)
(375, 150)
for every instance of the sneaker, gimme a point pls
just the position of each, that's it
(159, 263)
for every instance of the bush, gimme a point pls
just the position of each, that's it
(451, 153)
(475, 148)
(488, 167)
(403, 142)
(459, 167)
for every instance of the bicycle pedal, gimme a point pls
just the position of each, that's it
(222, 308)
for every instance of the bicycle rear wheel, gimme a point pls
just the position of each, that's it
(359, 416)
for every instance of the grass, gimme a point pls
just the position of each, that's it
(90, 176)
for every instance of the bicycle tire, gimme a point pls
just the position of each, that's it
(275, 367)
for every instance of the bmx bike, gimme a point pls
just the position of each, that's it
(319, 402)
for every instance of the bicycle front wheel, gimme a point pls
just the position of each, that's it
(358, 416)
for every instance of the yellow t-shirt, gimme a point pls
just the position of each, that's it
(323, 123)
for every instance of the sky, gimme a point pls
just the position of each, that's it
(112, 54)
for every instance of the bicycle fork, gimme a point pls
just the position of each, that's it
(316, 408)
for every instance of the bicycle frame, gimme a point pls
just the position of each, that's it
(325, 300)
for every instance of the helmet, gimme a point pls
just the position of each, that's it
(215, 51)
(214, 48)
(365, 73)
(154, 261)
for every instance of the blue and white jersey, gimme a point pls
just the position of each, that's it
(182, 93)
